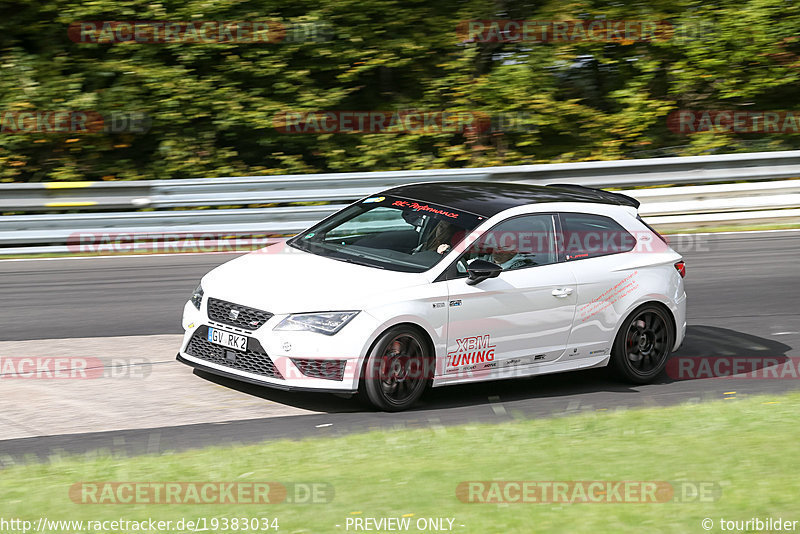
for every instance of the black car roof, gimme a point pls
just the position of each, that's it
(488, 199)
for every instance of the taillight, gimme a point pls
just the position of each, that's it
(681, 267)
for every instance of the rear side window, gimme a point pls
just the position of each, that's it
(589, 236)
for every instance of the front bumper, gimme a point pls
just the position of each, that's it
(242, 378)
(280, 359)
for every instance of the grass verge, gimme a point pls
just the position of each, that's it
(745, 447)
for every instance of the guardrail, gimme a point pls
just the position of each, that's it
(767, 196)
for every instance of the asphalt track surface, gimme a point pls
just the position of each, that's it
(743, 293)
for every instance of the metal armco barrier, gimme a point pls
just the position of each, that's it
(769, 194)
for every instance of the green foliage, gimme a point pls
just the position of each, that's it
(211, 106)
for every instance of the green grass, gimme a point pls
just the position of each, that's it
(748, 446)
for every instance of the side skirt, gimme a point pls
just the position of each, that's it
(485, 375)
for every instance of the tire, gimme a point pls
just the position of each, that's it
(398, 369)
(643, 345)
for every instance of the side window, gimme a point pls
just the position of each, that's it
(516, 243)
(590, 236)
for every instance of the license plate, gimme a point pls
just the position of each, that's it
(227, 339)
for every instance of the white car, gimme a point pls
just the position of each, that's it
(434, 284)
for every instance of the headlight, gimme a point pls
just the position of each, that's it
(197, 297)
(327, 323)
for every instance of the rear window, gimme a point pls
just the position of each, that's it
(589, 236)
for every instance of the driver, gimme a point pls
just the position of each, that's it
(439, 239)
(507, 258)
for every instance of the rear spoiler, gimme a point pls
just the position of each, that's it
(606, 197)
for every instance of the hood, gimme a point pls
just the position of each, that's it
(293, 281)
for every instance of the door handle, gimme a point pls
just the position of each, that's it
(562, 292)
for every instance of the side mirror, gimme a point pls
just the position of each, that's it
(480, 270)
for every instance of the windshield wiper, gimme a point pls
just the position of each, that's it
(351, 260)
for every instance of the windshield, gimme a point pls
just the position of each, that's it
(389, 233)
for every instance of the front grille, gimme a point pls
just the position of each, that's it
(247, 318)
(327, 369)
(255, 360)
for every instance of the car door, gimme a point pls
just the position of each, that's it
(605, 281)
(519, 318)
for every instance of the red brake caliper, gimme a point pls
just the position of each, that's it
(394, 349)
